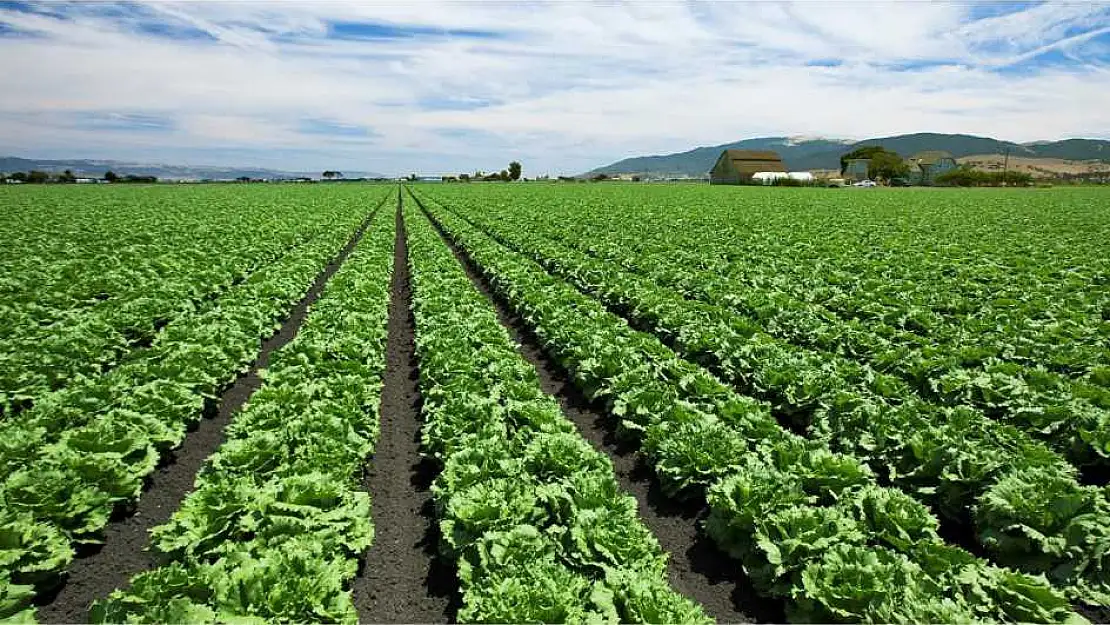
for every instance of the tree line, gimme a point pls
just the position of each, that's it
(883, 164)
(66, 177)
(965, 176)
(505, 175)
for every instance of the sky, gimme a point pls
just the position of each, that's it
(563, 87)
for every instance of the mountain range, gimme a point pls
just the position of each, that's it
(802, 153)
(96, 168)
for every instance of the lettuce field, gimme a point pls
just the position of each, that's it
(531, 402)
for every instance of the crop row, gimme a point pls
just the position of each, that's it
(74, 249)
(86, 450)
(810, 526)
(38, 359)
(531, 513)
(798, 381)
(198, 350)
(277, 521)
(112, 288)
(1030, 511)
(1073, 415)
(970, 269)
(979, 288)
(1059, 329)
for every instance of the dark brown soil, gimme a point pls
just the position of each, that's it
(1095, 474)
(402, 579)
(1094, 614)
(95, 574)
(697, 568)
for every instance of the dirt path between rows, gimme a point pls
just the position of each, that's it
(696, 567)
(94, 575)
(402, 579)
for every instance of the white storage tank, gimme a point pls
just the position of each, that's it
(768, 177)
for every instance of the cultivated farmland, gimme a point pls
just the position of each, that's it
(554, 403)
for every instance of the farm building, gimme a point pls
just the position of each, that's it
(738, 166)
(926, 166)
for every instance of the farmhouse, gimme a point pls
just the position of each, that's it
(738, 166)
(926, 166)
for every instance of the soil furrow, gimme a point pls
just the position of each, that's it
(696, 567)
(95, 574)
(402, 579)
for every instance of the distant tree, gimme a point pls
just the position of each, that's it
(18, 176)
(67, 176)
(965, 176)
(504, 175)
(514, 170)
(464, 177)
(137, 179)
(884, 163)
(110, 176)
(887, 165)
(38, 177)
(412, 178)
(1016, 178)
(786, 182)
(329, 174)
(867, 151)
(600, 177)
(243, 179)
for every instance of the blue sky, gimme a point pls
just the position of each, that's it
(561, 86)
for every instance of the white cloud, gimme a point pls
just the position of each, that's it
(564, 86)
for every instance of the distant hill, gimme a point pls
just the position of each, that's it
(95, 168)
(698, 161)
(800, 153)
(1038, 167)
(1075, 150)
